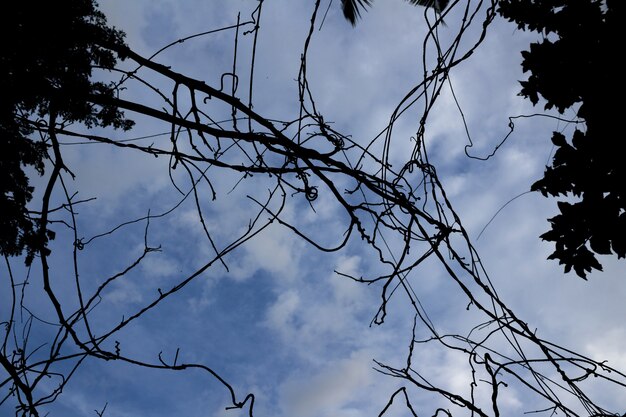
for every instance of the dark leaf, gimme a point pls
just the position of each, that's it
(558, 139)
(600, 245)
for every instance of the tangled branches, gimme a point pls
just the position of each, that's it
(214, 132)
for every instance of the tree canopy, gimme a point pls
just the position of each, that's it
(574, 67)
(49, 52)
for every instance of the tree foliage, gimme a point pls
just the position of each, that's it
(574, 67)
(49, 51)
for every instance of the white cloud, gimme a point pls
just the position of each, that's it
(345, 291)
(282, 312)
(125, 292)
(157, 266)
(334, 389)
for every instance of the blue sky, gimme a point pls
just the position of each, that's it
(279, 322)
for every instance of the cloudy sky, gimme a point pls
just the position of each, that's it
(278, 322)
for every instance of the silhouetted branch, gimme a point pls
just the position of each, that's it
(299, 159)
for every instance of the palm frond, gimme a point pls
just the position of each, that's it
(438, 5)
(352, 8)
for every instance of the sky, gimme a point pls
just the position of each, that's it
(278, 321)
